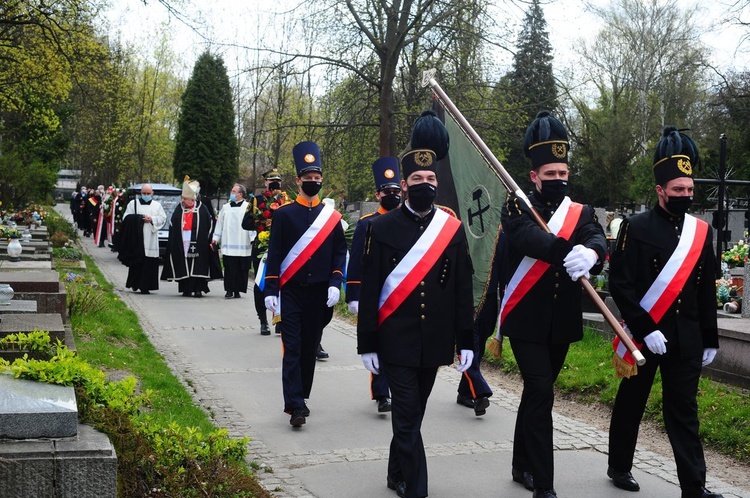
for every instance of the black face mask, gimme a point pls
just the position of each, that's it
(311, 188)
(274, 186)
(390, 201)
(554, 190)
(421, 196)
(678, 206)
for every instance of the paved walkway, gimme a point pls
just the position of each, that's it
(215, 347)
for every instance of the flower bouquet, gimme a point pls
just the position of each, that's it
(737, 256)
(263, 209)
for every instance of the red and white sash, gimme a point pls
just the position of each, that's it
(416, 263)
(308, 243)
(671, 279)
(530, 270)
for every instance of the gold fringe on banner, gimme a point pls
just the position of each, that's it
(623, 368)
(495, 347)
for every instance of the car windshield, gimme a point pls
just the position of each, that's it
(168, 202)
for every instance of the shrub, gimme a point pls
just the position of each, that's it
(83, 298)
(58, 239)
(67, 253)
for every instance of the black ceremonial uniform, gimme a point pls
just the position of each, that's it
(422, 334)
(645, 243)
(543, 324)
(303, 297)
(378, 383)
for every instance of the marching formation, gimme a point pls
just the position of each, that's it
(408, 280)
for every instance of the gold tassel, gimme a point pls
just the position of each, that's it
(623, 368)
(276, 319)
(495, 347)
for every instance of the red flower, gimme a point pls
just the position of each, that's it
(260, 228)
(262, 205)
(266, 214)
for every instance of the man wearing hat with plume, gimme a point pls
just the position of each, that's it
(190, 259)
(415, 303)
(304, 272)
(388, 194)
(540, 311)
(662, 278)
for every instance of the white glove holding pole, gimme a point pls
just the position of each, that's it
(333, 296)
(354, 307)
(708, 356)
(272, 304)
(579, 261)
(465, 358)
(371, 362)
(656, 342)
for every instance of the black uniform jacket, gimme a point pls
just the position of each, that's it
(551, 310)
(206, 264)
(326, 264)
(436, 318)
(354, 270)
(644, 244)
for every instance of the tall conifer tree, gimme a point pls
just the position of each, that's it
(206, 145)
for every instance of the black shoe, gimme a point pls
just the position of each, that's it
(186, 294)
(237, 295)
(525, 478)
(298, 417)
(544, 493)
(305, 411)
(384, 404)
(144, 291)
(398, 486)
(197, 294)
(277, 328)
(228, 295)
(623, 480)
(711, 494)
(264, 330)
(463, 400)
(480, 406)
(321, 354)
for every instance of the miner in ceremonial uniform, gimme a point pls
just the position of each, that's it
(304, 272)
(139, 248)
(540, 311)
(235, 242)
(662, 278)
(415, 310)
(189, 259)
(388, 194)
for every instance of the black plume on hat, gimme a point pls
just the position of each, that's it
(546, 141)
(673, 142)
(430, 133)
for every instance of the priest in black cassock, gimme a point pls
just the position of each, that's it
(189, 259)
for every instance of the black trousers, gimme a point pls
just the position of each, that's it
(379, 386)
(258, 298)
(305, 312)
(472, 384)
(679, 378)
(540, 365)
(236, 269)
(410, 389)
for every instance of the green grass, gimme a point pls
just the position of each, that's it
(723, 410)
(112, 339)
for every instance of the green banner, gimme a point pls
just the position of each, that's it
(480, 199)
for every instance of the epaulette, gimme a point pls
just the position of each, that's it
(368, 215)
(447, 210)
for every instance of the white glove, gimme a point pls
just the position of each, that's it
(465, 359)
(354, 307)
(708, 356)
(272, 303)
(371, 362)
(333, 296)
(656, 342)
(579, 261)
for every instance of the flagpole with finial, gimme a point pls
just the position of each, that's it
(428, 79)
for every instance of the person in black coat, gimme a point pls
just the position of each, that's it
(304, 272)
(541, 308)
(388, 194)
(672, 312)
(413, 317)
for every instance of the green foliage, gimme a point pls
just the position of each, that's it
(206, 144)
(57, 224)
(723, 411)
(38, 340)
(84, 299)
(67, 253)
